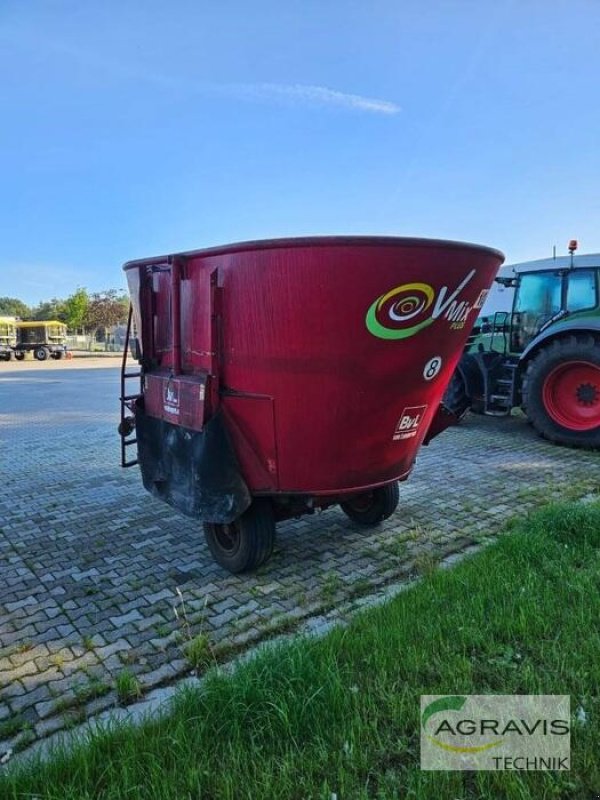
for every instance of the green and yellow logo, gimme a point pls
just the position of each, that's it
(446, 704)
(407, 309)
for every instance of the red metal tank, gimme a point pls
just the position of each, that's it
(320, 364)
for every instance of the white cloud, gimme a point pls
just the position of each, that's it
(284, 93)
(301, 94)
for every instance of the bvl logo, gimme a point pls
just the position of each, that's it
(409, 422)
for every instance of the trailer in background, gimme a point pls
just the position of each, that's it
(8, 337)
(44, 338)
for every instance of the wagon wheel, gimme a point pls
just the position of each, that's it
(371, 508)
(245, 543)
(19, 355)
(41, 353)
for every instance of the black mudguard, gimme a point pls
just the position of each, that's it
(196, 472)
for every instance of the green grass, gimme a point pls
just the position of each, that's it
(340, 715)
(11, 727)
(331, 585)
(197, 651)
(128, 687)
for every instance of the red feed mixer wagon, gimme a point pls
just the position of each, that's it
(284, 376)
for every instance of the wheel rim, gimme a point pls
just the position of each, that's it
(571, 395)
(361, 503)
(228, 538)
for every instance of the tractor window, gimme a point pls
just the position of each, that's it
(581, 291)
(538, 299)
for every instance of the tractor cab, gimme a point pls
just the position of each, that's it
(547, 296)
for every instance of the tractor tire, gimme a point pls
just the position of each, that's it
(561, 391)
(41, 353)
(8, 356)
(455, 397)
(245, 543)
(373, 507)
(19, 355)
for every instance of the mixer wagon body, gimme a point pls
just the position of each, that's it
(305, 371)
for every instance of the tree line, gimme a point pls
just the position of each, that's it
(83, 312)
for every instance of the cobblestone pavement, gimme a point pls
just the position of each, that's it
(91, 567)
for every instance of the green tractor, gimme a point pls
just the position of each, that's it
(544, 356)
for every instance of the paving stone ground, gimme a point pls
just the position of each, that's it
(99, 582)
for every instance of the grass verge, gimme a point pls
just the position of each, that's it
(339, 715)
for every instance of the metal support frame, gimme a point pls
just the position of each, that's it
(128, 400)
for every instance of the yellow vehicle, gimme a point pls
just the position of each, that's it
(45, 339)
(8, 337)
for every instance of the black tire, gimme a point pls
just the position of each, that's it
(60, 354)
(8, 355)
(373, 507)
(561, 391)
(55, 356)
(455, 397)
(19, 355)
(246, 543)
(41, 353)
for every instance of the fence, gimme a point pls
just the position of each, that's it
(90, 345)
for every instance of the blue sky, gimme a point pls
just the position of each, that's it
(138, 127)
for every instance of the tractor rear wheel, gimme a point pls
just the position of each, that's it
(245, 543)
(561, 391)
(41, 353)
(373, 507)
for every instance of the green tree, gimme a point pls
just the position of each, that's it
(105, 309)
(13, 307)
(51, 309)
(76, 308)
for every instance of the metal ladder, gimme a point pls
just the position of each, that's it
(127, 425)
(501, 399)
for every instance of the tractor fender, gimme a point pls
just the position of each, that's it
(586, 325)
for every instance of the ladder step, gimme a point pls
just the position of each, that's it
(132, 375)
(128, 442)
(130, 397)
(130, 463)
(503, 399)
